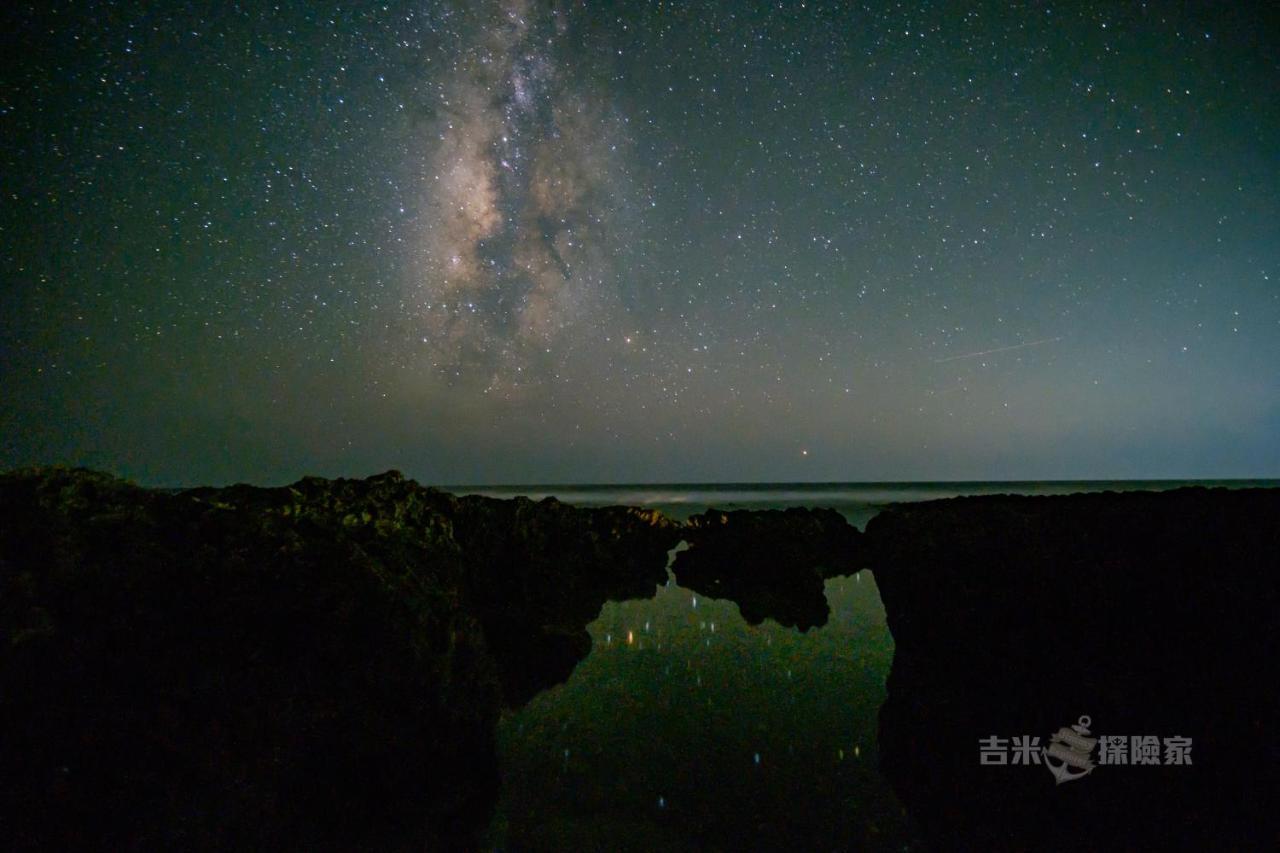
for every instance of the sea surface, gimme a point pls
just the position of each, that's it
(686, 728)
(857, 501)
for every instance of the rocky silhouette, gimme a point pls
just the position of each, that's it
(771, 562)
(315, 666)
(1153, 614)
(322, 665)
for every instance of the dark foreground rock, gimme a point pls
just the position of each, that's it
(1152, 613)
(538, 574)
(771, 562)
(533, 573)
(321, 666)
(318, 666)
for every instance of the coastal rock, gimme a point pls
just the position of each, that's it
(314, 666)
(771, 562)
(1154, 614)
(322, 665)
(184, 672)
(533, 573)
(539, 572)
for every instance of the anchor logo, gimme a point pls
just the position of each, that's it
(1071, 747)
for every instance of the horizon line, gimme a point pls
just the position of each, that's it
(727, 483)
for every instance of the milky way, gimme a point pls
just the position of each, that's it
(521, 186)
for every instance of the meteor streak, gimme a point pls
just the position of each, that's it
(996, 350)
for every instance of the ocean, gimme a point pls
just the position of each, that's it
(857, 501)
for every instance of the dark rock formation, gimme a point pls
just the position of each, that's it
(534, 574)
(1152, 613)
(538, 574)
(771, 562)
(318, 666)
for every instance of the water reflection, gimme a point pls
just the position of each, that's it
(702, 730)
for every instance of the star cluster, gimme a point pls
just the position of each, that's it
(522, 182)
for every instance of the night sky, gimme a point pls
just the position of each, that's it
(502, 242)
